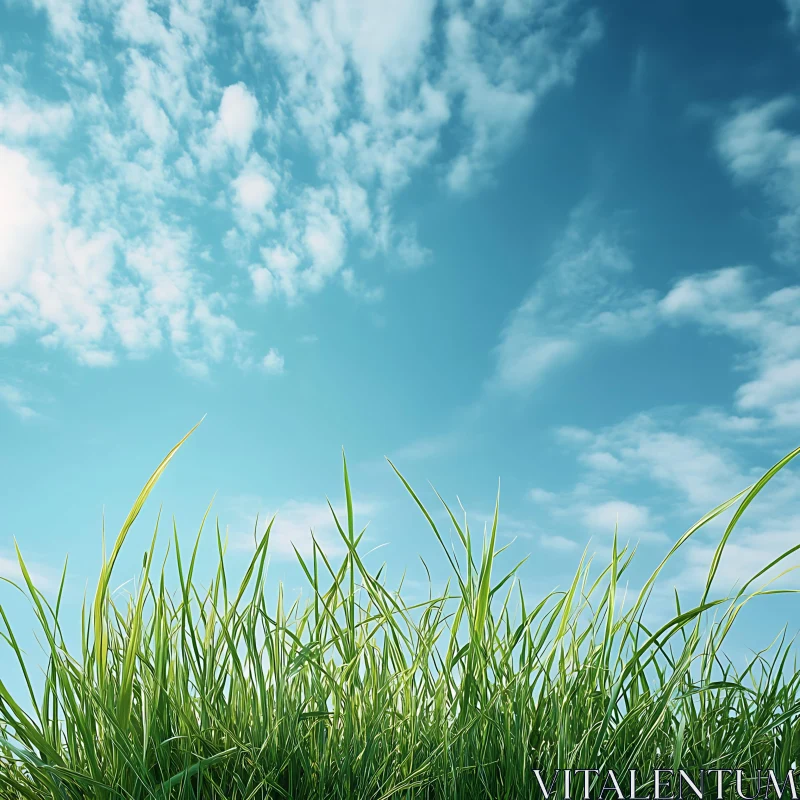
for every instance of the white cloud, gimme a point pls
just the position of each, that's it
(324, 240)
(253, 191)
(542, 496)
(715, 419)
(747, 551)
(585, 297)
(634, 521)
(64, 17)
(702, 472)
(425, 448)
(679, 469)
(238, 117)
(145, 102)
(558, 543)
(87, 292)
(371, 96)
(273, 362)
(574, 435)
(579, 300)
(280, 273)
(524, 358)
(31, 202)
(262, 282)
(53, 277)
(104, 260)
(16, 401)
(758, 150)
(296, 520)
(731, 301)
(24, 117)
(500, 90)
(40, 577)
(410, 252)
(234, 125)
(601, 461)
(777, 384)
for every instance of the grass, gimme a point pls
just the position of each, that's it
(219, 693)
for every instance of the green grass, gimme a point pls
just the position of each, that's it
(224, 693)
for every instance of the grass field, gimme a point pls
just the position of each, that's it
(226, 693)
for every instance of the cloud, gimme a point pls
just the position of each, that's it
(238, 117)
(253, 191)
(272, 363)
(730, 424)
(294, 524)
(358, 289)
(747, 551)
(793, 8)
(587, 506)
(297, 149)
(410, 252)
(25, 117)
(371, 95)
(560, 544)
(499, 91)
(585, 296)
(40, 577)
(65, 21)
(601, 461)
(680, 469)
(734, 301)
(701, 471)
(7, 335)
(89, 292)
(580, 299)
(542, 496)
(757, 150)
(682, 465)
(16, 401)
(634, 521)
(425, 448)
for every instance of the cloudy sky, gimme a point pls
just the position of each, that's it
(546, 241)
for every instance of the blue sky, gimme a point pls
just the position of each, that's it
(545, 241)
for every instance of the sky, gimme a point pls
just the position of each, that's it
(552, 243)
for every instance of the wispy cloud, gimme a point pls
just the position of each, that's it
(560, 544)
(425, 448)
(683, 468)
(580, 299)
(793, 8)
(40, 576)
(758, 150)
(297, 524)
(666, 449)
(113, 257)
(750, 549)
(17, 401)
(586, 297)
